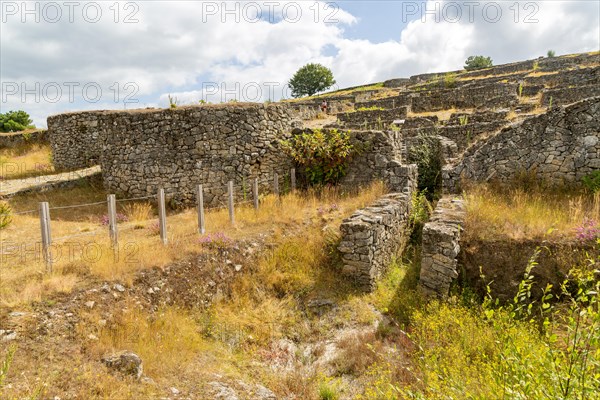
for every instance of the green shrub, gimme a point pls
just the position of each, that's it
(524, 349)
(592, 181)
(551, 53)
(450, 80)
(311, 79)
(14, 121)
(478, 62)
(328, 392)
(323, 153)
(5, 215)
(427, 154)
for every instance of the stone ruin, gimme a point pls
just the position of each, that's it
(537, 115)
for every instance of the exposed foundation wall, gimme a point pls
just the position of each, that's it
(560, 147)
(372, 236)
(441, 246)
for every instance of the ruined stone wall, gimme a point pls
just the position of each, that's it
(75, 139)
(402, 100)
(562, 96)
(560, 146)
(375, 150)
(489, 96)
(441, 246)
(14, 139)
(373, 235)
(142, 150)
(372, 119)
(180, 148)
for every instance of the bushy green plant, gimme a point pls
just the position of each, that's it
(420, 211)
(427, 154)
(324, 154)
(173, 102)
(478, 62)
(551, 53)
(450, 80)
(524, 349)
(592, 181)
(14, 121)
(5, 215)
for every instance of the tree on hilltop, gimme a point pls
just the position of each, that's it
(478, 62)
(311, 79)
(14, 121)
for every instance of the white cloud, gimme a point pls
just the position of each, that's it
(179, 47)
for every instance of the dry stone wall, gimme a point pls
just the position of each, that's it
(375, 151)
(372, 119)
(373, 235)
(440, 246)
(75, 139)
(142, 150)
(489, 96)
(560, 147)
(11, 140)
(178, 149)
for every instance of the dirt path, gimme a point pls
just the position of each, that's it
(39, 183)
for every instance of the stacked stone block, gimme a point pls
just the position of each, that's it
(440, 246)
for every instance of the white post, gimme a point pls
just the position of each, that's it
(112, 219)
(200, 199)
(255, 193)
(293, 179)
(46, 236)
(276, 184)
(162, 215)
(230, 202)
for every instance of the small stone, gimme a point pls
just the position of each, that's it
(238, 267)
(90, 304)
(125, 362)
(102, 322)
(175, 391)
(9, 336)
(16, 314)
(150, 291)
(119, 287)
(91, 336)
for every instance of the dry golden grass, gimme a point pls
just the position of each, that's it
(531, 214)
(443, 115)
(25, 161)
(81, 245)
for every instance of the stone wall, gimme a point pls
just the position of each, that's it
(14, 139)
(142, 150)
(372, 119)
(560, 146)
(180, 148)
(440, 246)
(375, 150)
(402, 100)
(373, 235)
(75, 139)
(489, 96)
(563, 96)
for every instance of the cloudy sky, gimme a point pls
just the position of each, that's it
(73, 55)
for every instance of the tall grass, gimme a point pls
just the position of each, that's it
(519, 213)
